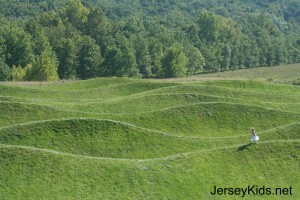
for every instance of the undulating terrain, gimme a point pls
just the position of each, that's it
(120, 138)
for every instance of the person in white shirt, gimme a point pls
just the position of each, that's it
(254, 136)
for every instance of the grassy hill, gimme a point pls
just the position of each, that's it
(278, 74)
(119, 138)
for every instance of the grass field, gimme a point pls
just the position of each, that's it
(279, 74)
(119, 138)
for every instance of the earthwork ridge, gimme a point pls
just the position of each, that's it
(144, 130)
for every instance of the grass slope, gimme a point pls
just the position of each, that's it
(280, 74)
(190, 176)
(12, 113)
(119, 138)
(97, 138)
(212, 119)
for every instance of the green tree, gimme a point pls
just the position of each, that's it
(142, 55)
(120, 58)
(18, 46)
(67, 51)
(89, 59)
(5, 72)
(281, 52)
(234, 57)
(39, 41)
(18, 73)
(2, 48)
(251, 53)
(212, 56)
(50, 19)
(156, 54)
(226, 56)
(195, 60)
(174, 62)
(75, 13)
(209, 27)
(44, 68)
(113, 61)
(97, 26)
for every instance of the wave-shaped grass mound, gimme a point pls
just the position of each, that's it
(35, 174)
(99, 138)
(212, 119)
(140, 104)
(12, 113)
(156, 140)
(256, 86)
(285, 132)
(227, 92)
(119, 89)
(89, 84)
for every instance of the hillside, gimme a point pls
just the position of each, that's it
(83, 39)
(120, 138)
(278, 74)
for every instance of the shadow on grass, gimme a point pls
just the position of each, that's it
(244, 147)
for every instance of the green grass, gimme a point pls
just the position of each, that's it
(43, 175)
(280, 74)
(120, 138)
(212, 119)
(97, 138)
(12, 113)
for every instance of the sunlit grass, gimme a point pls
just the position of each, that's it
(119, 138)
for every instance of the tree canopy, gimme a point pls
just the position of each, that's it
(70, 39)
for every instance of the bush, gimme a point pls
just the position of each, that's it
(18, 73)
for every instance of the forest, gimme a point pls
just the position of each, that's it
(48, 40)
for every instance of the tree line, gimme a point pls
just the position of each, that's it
(83, 39)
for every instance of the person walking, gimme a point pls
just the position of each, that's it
(254, 136)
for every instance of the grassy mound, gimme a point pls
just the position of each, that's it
(44, 175)
(105, 138)
(119, 138)
(14, 113)
(122, 87)
(279, 74)
(89, 84)
(212, 119)
(138, 104)
(256, 86)
(98, 138)
(236, 93)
